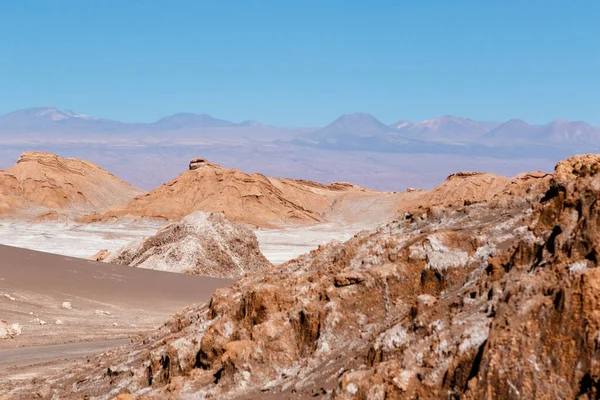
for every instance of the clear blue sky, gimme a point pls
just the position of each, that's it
(303, 62)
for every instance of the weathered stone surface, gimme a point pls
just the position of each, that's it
(201, 244)
(101, 255)
(9, 331)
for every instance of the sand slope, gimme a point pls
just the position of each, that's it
(106, 301)
(43, 183)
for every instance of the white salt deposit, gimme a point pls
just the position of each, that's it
(73, 239)
(83, 241)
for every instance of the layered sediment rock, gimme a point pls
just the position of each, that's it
(250, 198)
(43, 183)
(466, 188)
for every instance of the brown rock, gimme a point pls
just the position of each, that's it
(196, 163)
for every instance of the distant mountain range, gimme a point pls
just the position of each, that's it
(357, 148)
(350, 131)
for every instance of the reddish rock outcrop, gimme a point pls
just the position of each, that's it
(467, 188)
(101, 255)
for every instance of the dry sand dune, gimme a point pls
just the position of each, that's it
(250, 198)
(104, 301)
(49, 186)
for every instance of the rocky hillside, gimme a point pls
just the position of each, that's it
(466, 188)
(40, 182)
(497, 299)
(200, 244)
(251, 198)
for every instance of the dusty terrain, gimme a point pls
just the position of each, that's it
(139, 294)
(489, 300)
(56, 299)
(250, 198)
(201, 243)
(48, 187)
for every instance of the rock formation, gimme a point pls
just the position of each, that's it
(496, 299)
(9, 331)
(466, 188)
(101, 255)
(44, 183)
(251, 198)
(201, 244)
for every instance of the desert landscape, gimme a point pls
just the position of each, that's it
(346, 291)
(458, 289)
(299, 200)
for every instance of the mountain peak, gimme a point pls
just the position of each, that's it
(401, 124)
(357, 116)
(514, 129)
(45, 113)
(358, 121)
(446, 119)
(191, 120)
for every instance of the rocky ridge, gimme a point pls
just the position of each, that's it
(249, 198)
(200, 244)
(466, 188)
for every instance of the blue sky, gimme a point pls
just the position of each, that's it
(303, 62)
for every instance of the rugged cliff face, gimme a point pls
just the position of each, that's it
(498, 299)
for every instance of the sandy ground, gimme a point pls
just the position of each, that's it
(105, 300)
(83, 241)
(25, 356)
(58, 300)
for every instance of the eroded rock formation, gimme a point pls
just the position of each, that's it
(466, 188)
(250, 198)
(201, 244)
(43, 183)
